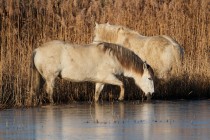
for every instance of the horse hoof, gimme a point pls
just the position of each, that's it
(96, 100)
(120, 99)
(52, 102)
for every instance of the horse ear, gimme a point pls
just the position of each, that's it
(96, 24)
(145, 65)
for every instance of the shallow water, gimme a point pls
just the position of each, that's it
(157, 120)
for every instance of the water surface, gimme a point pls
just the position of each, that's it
(157, 120)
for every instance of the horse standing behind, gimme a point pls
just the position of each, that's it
(162, 52)
(100, 63)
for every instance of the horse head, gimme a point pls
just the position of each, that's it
(146, 82)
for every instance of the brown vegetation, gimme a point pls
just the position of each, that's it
(25, 24)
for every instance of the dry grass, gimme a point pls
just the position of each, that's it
(25, 24)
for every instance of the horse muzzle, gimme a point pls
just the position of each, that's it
(149, 96)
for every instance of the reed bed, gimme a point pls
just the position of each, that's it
(25, 24)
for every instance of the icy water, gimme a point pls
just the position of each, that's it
(158, 120)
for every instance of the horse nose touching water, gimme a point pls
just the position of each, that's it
(98, 62)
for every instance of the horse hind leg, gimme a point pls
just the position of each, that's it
(49, 88)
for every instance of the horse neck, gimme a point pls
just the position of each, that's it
(107, 36)
(132, 74)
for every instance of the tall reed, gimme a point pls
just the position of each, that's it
(25, 24)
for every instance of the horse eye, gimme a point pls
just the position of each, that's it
(150, 78)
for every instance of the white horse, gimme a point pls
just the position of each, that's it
(100, 63)
(162, 52)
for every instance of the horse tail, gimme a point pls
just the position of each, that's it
(36, 80)
(178, 52)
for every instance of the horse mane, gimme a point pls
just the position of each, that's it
(111, 31)
(127, 58)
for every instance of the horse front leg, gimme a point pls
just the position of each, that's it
(98, 89)
(112, 79)
(122, 93)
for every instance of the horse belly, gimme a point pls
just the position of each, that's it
(88, 64)
(87, 71)
(78, 75)
(77, 70)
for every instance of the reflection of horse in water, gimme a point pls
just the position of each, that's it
(116, 112)
(100, 63)
(162, 52)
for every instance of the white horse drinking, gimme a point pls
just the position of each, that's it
(100, 63)
(162, 52)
